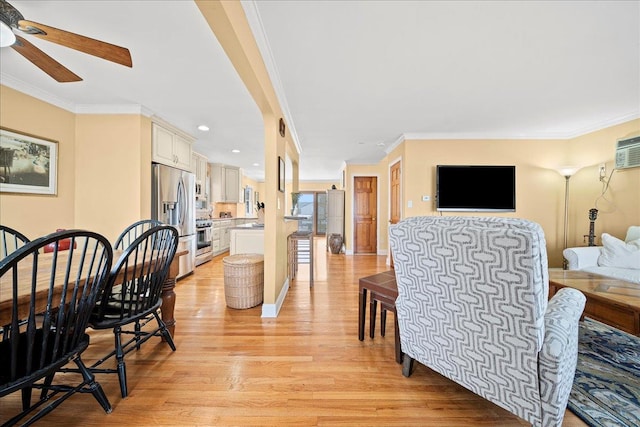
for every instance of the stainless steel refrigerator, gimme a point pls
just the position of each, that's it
(173, 201)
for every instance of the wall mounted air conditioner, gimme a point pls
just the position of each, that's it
(628, 152)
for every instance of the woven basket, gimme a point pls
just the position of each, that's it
(243, 280)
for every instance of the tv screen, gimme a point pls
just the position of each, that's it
(475, 188)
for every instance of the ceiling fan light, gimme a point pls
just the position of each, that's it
(7, 38)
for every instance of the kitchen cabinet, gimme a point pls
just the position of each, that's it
(220, 236)
(199, 166)
(170, 148)
(225, 183)
(225, 238)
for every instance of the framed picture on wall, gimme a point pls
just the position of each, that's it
(280, 174)
(28, 163)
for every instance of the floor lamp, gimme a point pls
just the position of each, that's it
(567, 172)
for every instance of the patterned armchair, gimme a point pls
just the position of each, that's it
(472, 305)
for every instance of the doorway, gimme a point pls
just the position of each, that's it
(314, 205)
(394, 199)
(365, 214)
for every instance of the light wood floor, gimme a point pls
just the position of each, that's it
(305, 368)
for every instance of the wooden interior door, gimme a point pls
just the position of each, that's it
(394, 202)
(365, 214)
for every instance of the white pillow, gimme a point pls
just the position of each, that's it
(617, 253)
(633, 233)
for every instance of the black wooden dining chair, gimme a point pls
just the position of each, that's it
(10, 240)
(126, 238)
(133, 231)
(134, 293)
(46, 300)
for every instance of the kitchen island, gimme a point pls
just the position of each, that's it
(221, 232)
(247, 239)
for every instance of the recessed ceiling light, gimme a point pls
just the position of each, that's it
(256, 164)
(235, 151)
(203, 128)
(380, 144)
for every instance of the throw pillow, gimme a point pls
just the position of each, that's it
(617, 253)
(633, 233)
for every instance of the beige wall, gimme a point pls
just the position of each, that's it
(540, 189)
(113, 172)
(228, 22)
(381, 172)
(619, 206)
(104, 172)
(36, 215)
(317, 185)
(539, 195)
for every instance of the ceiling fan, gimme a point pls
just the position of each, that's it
(11, 19)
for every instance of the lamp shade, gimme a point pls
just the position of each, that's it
(568, 171)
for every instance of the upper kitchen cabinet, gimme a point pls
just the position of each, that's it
(225, 183)
(170, 148)
(199, 165)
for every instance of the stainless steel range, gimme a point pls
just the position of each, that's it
(204, 248)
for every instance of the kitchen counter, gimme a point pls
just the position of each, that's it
(234, 219)
(248, 226)
(297, 217)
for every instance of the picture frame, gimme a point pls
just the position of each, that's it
(28, 163)
(280, 174)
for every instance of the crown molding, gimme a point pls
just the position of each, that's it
(35, 92)
(399, 140)
(167, 125)
(257, 28)
(47, 97)
(574, 133)
(605, 124)
(113, 109)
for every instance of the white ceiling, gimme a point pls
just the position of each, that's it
(354, 77)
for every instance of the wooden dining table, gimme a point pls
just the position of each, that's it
(44, 262)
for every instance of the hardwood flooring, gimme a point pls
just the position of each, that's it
(305, 368)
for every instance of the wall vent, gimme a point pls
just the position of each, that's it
(628, 152)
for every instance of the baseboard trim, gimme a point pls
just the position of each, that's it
(272, 310)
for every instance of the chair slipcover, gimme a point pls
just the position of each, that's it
(472, 305)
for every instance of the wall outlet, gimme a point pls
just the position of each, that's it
(426, 198)
(602, 171)
(410, 204)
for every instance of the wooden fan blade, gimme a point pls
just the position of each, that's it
(108, 51)
(43, 61)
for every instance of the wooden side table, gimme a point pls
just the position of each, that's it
(383, 289)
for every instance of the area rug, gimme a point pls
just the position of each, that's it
(606, 388)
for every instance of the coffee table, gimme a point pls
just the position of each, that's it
(611, 301)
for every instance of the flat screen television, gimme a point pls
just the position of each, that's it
(462, 188)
